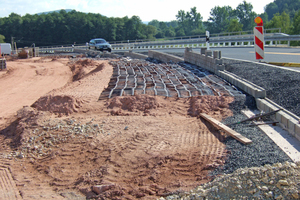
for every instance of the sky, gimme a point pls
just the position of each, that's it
(161, 10)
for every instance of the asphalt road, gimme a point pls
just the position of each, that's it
(272, 54)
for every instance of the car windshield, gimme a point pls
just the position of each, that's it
(99, 41)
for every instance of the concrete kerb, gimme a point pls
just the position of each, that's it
(288, 120)
(245, 85)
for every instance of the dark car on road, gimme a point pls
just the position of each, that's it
(99, 44)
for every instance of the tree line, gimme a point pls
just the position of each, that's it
(56, 28)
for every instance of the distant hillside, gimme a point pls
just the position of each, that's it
(67, 10)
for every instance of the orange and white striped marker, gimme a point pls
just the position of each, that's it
(259, 39)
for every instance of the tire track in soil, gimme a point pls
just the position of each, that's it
(8, 189)
(160, 162)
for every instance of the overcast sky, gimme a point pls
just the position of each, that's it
(162, 10)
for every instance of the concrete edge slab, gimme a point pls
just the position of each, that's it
(288, 120)
(287, 142)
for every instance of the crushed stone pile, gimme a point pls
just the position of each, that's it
(277, 181)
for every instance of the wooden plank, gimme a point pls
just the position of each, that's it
(226, 129)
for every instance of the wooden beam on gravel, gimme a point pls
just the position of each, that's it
(226, 129)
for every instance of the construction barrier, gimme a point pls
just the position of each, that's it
(259, 39)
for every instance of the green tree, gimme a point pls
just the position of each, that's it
(280, 21)
(172, 23)
(296, 28)
(234, 26)
(154, 23)
(219, 19)
(291, 7)
(2, 39)
(179, 32)
(271, 9)
(170, 32)
(188, 21)
(150, 31)
(296, 24)
(245, 15)
(195, 18)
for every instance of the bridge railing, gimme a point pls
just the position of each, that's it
(273, 37)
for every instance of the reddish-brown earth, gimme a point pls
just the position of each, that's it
(60, 142)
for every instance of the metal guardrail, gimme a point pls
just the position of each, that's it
(271, 39)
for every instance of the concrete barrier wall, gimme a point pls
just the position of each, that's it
(164, 57)
(135, 55)
(204, 60)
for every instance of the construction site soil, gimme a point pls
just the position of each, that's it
(59, 141)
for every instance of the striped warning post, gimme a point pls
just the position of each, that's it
(259, 39)
(259, 42)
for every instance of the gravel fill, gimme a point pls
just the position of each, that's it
(278, 181)
(262, 151)
(282, 86)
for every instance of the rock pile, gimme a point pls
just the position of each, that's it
(277, 181)
(41, 140)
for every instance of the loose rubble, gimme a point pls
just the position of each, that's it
(277, 181)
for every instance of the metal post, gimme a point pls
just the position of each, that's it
(207, 39)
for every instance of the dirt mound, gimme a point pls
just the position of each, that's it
(81, 68)
(209, 105)
(140, 103)
(62, 105)
(149, 105)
